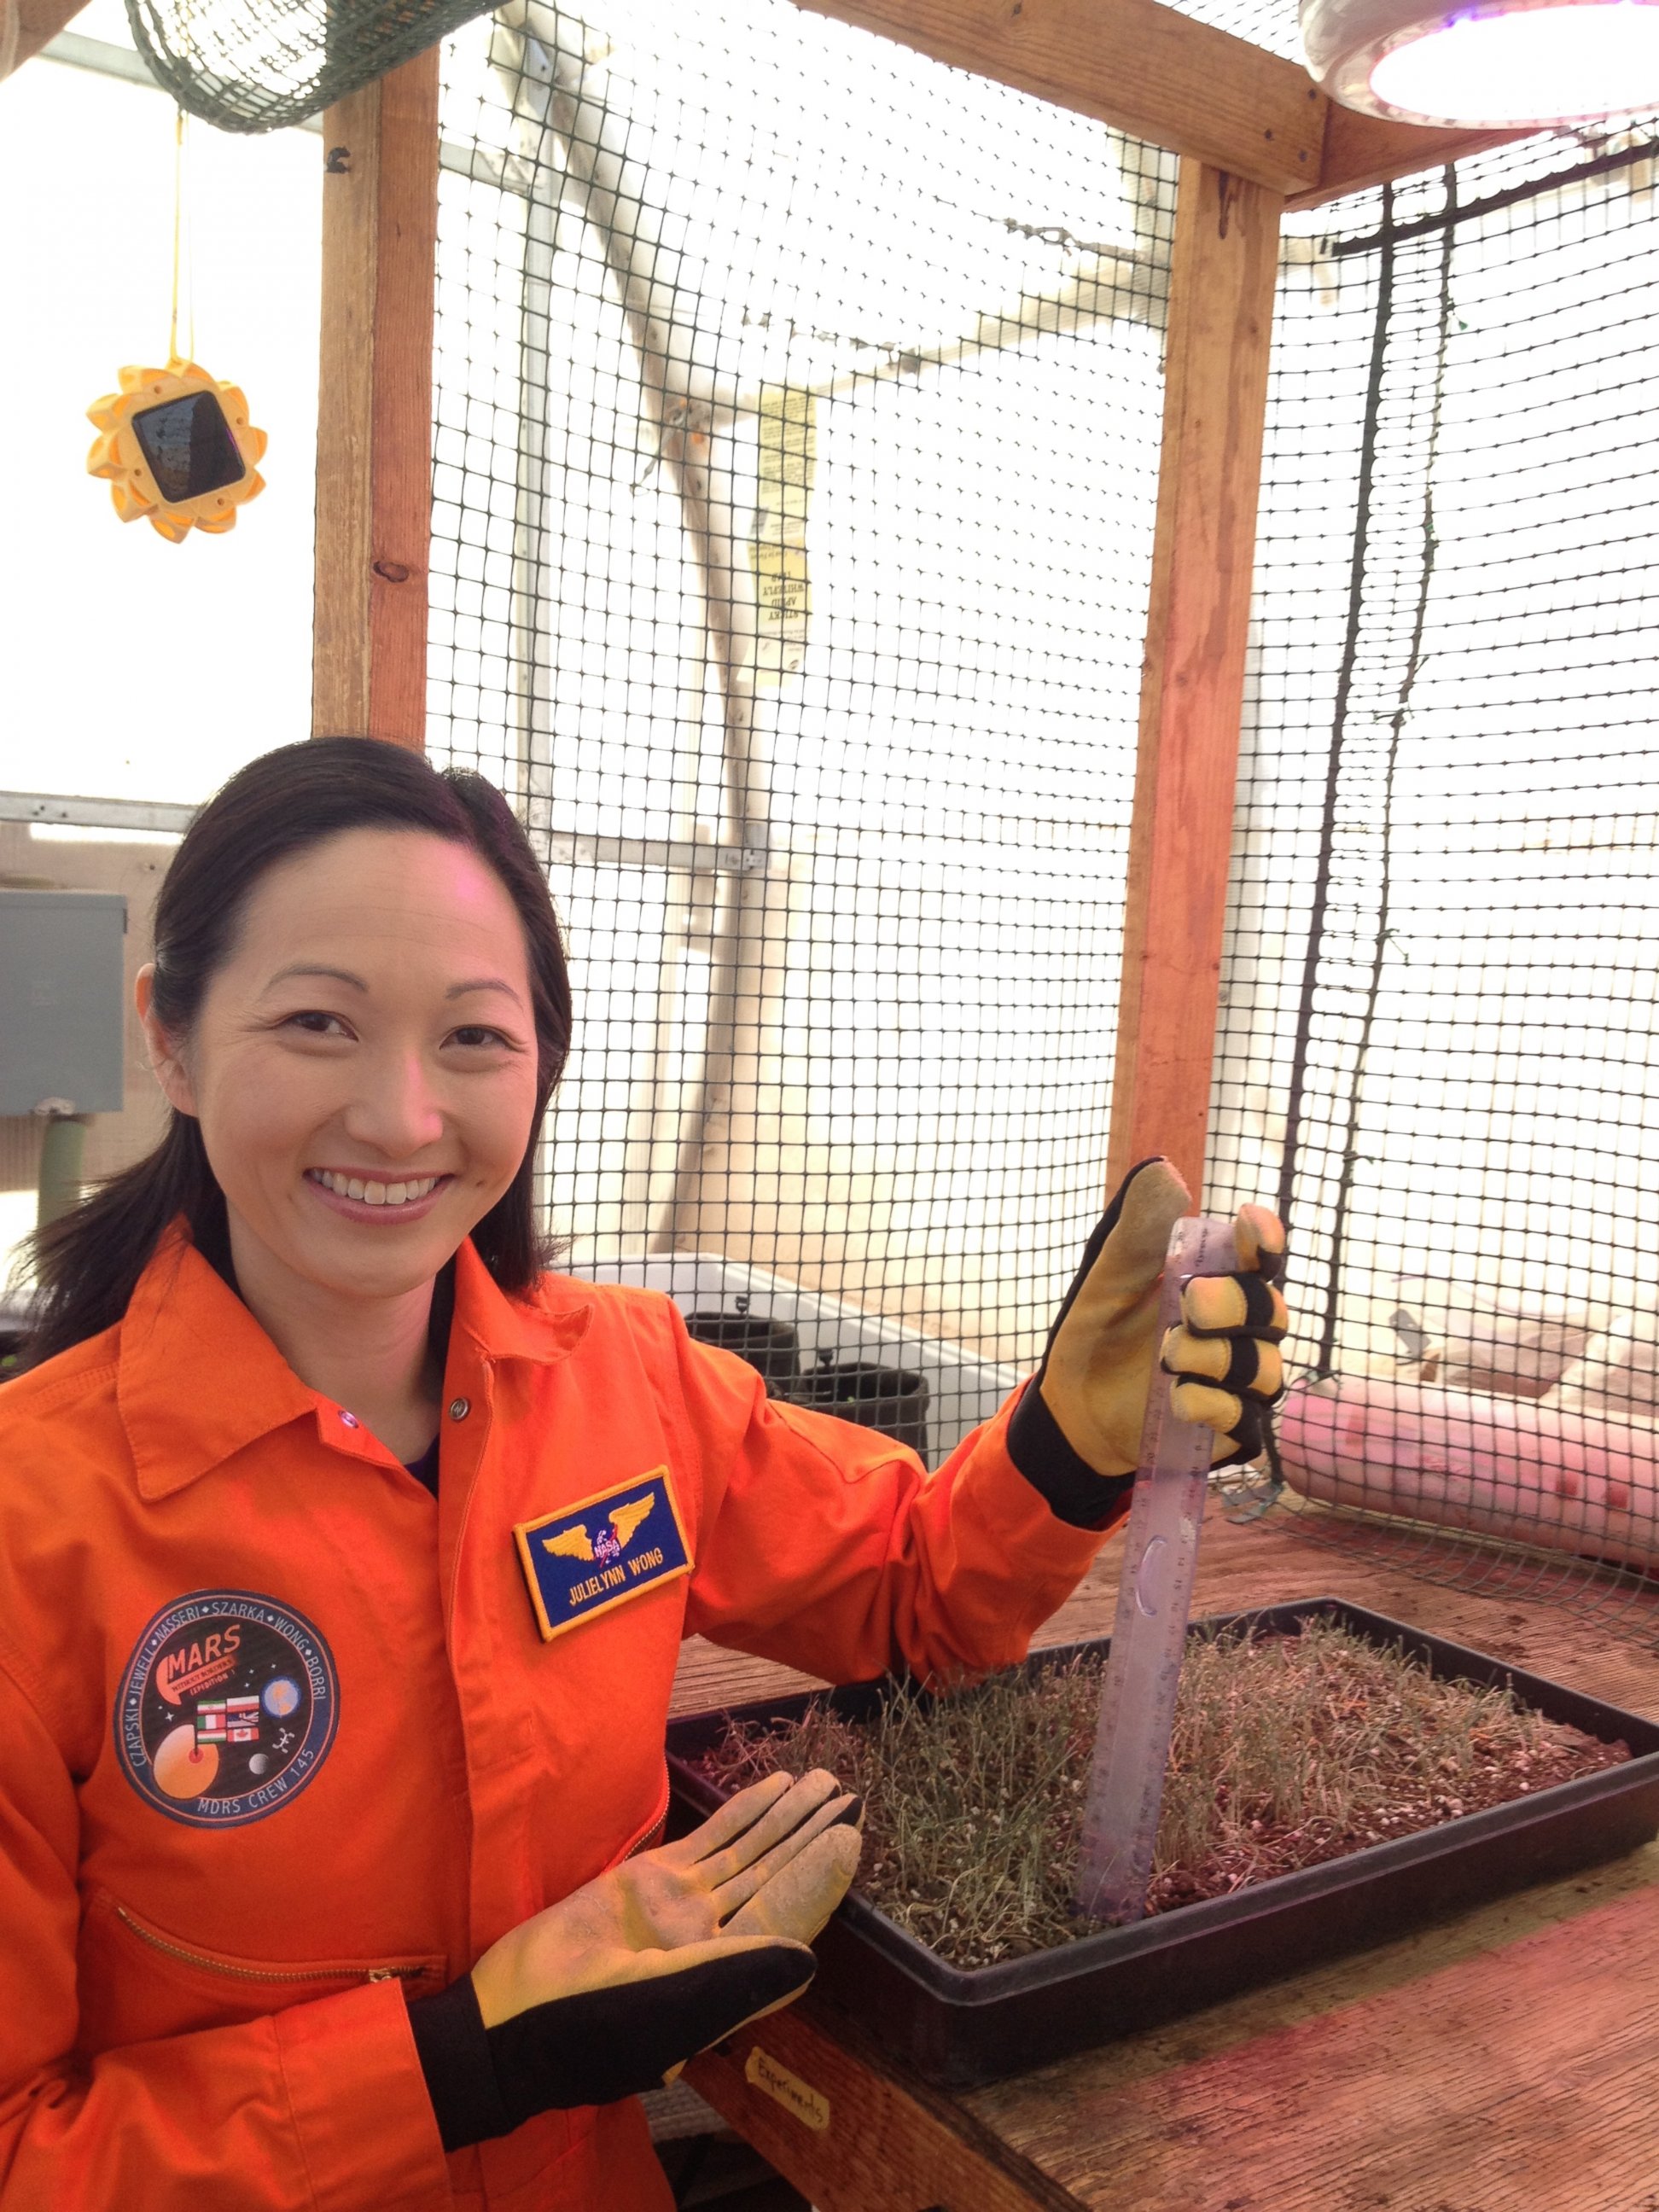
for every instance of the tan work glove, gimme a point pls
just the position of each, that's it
(609, 1992)
(1224, 1355)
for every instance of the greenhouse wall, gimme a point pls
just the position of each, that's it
(799, 410)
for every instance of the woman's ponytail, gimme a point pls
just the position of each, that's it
(87, 1263)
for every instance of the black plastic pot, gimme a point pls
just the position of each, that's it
(891, 1399)
(958, 2027)
(770, 1346)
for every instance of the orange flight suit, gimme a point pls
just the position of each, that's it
(216, 1885)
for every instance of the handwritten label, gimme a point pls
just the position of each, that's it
(788, 2089)
(787, 460)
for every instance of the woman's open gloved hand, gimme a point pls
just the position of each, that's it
(1082, 1417)
(610, 1992)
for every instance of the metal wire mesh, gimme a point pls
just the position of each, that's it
(1438, 1031)
(252, 65)
(799, 410)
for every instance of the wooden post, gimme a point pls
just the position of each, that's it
(1221, 301)
(374, 408)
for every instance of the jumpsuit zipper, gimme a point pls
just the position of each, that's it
(266, 1973)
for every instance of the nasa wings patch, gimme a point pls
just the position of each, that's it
(227, 1708)
(583, 1560)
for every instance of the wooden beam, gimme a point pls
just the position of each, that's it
(374, 408)
(1141, 67)
(1361, 150)
(854, 2132)
(38, 22)
(1221, 301)
(1176, 82)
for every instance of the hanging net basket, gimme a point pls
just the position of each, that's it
(258, 64)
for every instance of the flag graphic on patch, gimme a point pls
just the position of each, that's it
(227, 1720)
(602, 1550)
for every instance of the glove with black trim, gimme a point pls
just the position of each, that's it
(1076, 1432)
(609, 1992)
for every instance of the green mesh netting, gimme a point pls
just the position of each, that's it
(258, 65)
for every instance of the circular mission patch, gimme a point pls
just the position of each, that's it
(227, 1708)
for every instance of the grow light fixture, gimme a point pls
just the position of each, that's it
(1492, 64)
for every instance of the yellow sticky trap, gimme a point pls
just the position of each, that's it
(177, 448)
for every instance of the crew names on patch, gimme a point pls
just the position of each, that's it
(227, 1708)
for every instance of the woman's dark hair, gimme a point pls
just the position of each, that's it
(87, 1263)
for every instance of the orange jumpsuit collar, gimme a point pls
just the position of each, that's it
(545, 1329)
(199, 1380)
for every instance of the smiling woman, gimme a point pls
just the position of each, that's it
(363, 1071)
(317, 1459)
(330, 921)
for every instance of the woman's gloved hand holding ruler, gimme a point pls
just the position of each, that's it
(1219, 1318)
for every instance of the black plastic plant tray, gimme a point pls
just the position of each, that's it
(959, 2026)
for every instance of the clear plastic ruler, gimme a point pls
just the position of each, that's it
(1154, 1603)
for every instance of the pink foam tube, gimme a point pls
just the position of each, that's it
(1495, 1467)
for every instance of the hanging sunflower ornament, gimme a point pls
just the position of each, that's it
(177, 448)
(175, 444)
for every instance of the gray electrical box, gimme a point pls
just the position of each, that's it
(62, 999)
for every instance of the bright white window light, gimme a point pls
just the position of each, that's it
(1493, 62)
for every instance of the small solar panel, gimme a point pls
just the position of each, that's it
(189, 447)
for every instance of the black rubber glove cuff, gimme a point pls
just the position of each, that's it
(1073, 1492)
(1036, 1442)
(589, 2049)
(453, 2045)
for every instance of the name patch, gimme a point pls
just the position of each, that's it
(583, 1560)
(227, 1708)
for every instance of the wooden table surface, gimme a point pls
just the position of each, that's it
(1506, 2061)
